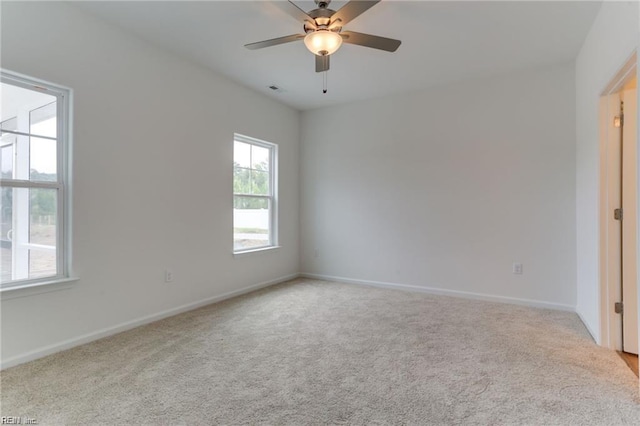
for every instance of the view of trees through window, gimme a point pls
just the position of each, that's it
(247, 182)
(253, 195)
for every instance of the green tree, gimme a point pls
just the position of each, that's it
(250, 181)
(42, 177)
(43, 202)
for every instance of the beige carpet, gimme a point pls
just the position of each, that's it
(314, 352)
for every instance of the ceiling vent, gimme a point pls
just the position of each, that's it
(275, 88)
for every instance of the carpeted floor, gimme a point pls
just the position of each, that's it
(314, 352)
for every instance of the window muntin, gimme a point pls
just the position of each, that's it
(34, 141)
(254, 201)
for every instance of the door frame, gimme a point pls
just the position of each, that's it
(609, 259)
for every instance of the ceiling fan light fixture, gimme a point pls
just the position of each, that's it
(323, 42)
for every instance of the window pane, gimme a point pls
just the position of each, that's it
(44, 121)
(260, 183)
(42, 216)
(6, 224)
(242, 154)
(29, 226)
(241, 181)
(6, 161)
(251, 223)
(18, 101)
(42, 232)
(259, 158)
(43, 157)
(10, 124)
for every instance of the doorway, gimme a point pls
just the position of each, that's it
(619, 214)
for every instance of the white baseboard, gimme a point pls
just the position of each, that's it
(99, 334)
(445, 292)
(90, 337)
(586, 325)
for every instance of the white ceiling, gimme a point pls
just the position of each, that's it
(442, 42)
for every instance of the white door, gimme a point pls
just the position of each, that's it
(629, 222)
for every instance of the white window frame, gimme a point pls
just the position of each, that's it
(63, 138)
(272, 197)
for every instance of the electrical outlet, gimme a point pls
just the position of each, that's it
(168, 276)
(517, 268)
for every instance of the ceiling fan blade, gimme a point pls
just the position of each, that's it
(322, 63)
(293, 10)
(352, 10)
(274, 41)
(368, 40)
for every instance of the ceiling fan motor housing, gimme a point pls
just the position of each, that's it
(321, 21)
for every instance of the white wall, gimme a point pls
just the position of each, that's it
(446, 188)
(152, 178)
(609, 44)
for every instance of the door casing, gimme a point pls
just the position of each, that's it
(610, 199)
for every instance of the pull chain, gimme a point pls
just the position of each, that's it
(324, 82)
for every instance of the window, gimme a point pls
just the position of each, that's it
(34, 169)
(254, 194)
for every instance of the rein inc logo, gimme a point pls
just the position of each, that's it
(17, 420)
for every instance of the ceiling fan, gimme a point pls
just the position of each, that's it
(323, 30)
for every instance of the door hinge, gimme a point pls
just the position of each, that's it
(617, 214)
(618, 121)
(619, 307)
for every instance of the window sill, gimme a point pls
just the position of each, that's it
(31, 289)
(254, 251)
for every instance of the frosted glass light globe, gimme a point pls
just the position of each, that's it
(323, 42)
